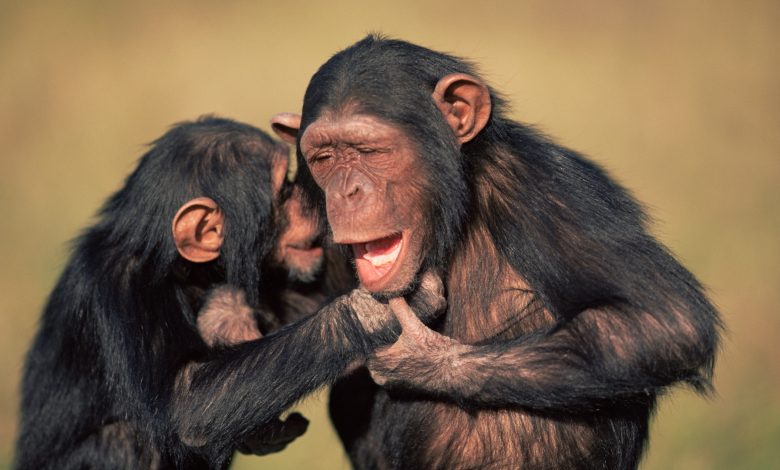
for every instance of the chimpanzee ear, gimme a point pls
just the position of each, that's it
(197, 230)
(465, 103)
(286, 126)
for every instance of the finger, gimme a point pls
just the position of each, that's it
(376, 360)
(429, 296)
(432, 282)
(409, 320)
(262, 449)
(374, 365)
(378, 378)
(285, 431)
(295, 425)
(275, 435)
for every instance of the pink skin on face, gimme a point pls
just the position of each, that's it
(379, 218)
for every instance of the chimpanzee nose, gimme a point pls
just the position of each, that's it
(350, 196)
(350, 193)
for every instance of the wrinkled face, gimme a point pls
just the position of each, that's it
(373, 187)
(298, 248)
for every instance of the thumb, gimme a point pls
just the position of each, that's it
(295, 425)
(409, 320)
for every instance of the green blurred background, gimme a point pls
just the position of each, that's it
(679, 99)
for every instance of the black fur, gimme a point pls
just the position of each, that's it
(581, 243)
(117, 375)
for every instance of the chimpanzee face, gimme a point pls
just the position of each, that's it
(373, 185)
(377, 189)
(298, 248)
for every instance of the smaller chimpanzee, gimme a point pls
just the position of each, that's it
(120, 337)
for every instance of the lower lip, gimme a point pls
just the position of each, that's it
(371, 276)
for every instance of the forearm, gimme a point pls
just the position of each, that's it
(224, 400)
(539, 374)
(599, 358)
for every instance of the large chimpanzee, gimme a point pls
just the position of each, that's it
(122, 373)
(565, 318)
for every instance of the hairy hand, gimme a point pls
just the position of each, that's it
(373, 315)
(275, 436)
(428, 300)
(420, 360)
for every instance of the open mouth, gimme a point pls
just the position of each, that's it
(375, 259)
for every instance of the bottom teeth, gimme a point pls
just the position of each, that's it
(380, 254)
(380, 259)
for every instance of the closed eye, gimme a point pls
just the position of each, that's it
(319, 158)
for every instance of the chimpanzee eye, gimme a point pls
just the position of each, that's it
(319, 158)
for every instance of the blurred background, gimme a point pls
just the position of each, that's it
(680, 100)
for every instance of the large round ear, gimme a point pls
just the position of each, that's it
(465, 103)
(286, 126)
(197, 230)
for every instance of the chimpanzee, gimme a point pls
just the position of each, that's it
(565, 318)
(125, 373)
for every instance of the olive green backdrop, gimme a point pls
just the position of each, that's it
(678, 99)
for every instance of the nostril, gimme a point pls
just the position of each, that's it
(353, 191)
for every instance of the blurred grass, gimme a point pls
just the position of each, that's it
(680, 99)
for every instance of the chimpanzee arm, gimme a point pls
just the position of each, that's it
(600, 356)
(218, 404)
(225, 320)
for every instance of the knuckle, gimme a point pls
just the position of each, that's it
(378, 379)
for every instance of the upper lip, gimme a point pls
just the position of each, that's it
(357, 241)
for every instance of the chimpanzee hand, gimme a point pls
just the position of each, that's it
(428, 301)
(274, 436)
(421, 359)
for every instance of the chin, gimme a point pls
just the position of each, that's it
(396, 287)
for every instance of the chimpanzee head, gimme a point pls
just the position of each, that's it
(211, 199)
(383, 134)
